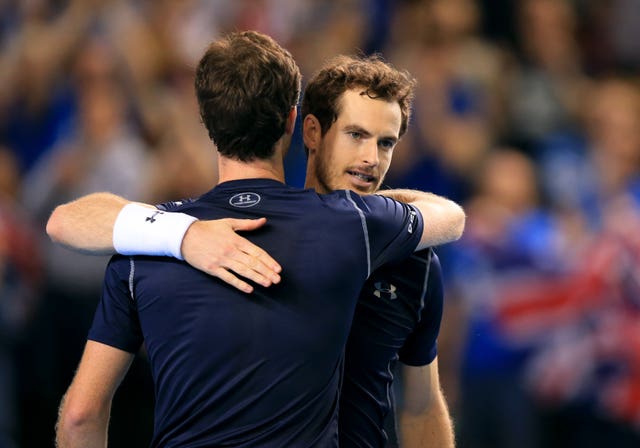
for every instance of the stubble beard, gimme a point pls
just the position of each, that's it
(328, 181)
(322, 175)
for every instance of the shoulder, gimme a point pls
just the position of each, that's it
(173, 206)
(373, 205)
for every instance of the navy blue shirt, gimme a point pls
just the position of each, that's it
(397, 317)
(259, 370)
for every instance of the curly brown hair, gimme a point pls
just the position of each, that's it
(246, 85)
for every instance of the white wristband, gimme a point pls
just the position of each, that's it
(140, 230)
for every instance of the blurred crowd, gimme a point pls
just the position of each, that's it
(527, 112)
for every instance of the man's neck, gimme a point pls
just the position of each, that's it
(311, 180)
(231, 169)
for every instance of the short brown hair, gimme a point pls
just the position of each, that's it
(378, 79)
(246, 85)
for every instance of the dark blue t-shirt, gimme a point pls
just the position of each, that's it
(397, 317)
(258, 370)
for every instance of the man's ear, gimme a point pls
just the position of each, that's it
(290, 125)
(311, 132)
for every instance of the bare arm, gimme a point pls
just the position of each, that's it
(84, 412)
(424, 420)
(444, 220)
(214, 247)
(86, 224)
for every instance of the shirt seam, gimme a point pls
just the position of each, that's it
(425, 285)
(364, 229)
(132, 272)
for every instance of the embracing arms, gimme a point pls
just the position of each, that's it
(87, 224)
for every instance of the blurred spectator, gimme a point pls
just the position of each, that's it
(583, 174)
(508, 238)
(584, 372)
(103, 153)
(457, 97)
(20, 281)
(35, 102)
(185, 163)
(546, 86)
(585, 321)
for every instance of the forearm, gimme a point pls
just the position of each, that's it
(84, 411)
(86, 224)
(103, 223)
(424, 418)
(81, 432)
(431, 429)
(444, 220)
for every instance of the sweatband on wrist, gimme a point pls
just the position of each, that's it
(140, 230)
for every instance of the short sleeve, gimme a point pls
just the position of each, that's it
(394, 229)
(116, 320)
(420, 348)
(173, 206)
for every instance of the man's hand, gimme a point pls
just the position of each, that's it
(214, 247)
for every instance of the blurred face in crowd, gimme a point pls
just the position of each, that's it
(453, 18)
(356, 151)
(547, 28)
(509, 179)
(613, 113)
(102, 108)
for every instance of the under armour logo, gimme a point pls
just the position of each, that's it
(152, 218)
(385, 291)
(245, 199)
(412, 219)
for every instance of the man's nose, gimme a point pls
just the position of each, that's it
(370, 154)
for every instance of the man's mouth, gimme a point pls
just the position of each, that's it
(362, 176)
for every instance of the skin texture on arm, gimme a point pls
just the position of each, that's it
(84, 412)
(444, 220)
(424, 420)
(214, 247)
(86, 224)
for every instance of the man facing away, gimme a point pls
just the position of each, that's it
(229, 369)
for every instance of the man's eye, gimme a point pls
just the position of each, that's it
(355, 135)
(387, 144)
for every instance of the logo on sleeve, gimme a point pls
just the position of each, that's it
(412, 220)
(151, 219)
(244, 200)
(385, 290)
